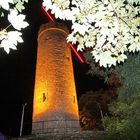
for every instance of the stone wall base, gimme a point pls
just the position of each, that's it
(55, 126)
(80, 135)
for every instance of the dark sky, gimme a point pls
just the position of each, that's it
(17, 74)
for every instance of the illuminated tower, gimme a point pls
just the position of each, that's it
(55, 106)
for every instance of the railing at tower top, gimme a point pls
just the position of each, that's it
(55, 126)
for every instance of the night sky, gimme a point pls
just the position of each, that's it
(17, 75)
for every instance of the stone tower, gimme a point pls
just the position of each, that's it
(55, 106)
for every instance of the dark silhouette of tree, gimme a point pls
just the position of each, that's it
(93, 105)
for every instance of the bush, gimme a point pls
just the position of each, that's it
(124, 120)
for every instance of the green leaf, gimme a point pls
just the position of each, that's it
(15, 1)
(3, 34)
(24, 0)
(19, 6)
(2, 14)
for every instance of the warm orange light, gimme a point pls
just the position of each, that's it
(55, 93)
(39, 102)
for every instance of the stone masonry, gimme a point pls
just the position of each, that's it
(55, 103)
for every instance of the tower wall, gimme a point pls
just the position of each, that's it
(55, 106)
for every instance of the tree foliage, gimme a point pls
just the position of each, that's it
(129, 74)
(124, 123)
(10, 35)
(91, 105)
(109, 27)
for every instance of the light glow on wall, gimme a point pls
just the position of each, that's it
(55, 96)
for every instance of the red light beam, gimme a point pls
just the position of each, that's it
(50, 17)
(76, 53)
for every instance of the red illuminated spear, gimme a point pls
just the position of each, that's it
(51, 18)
